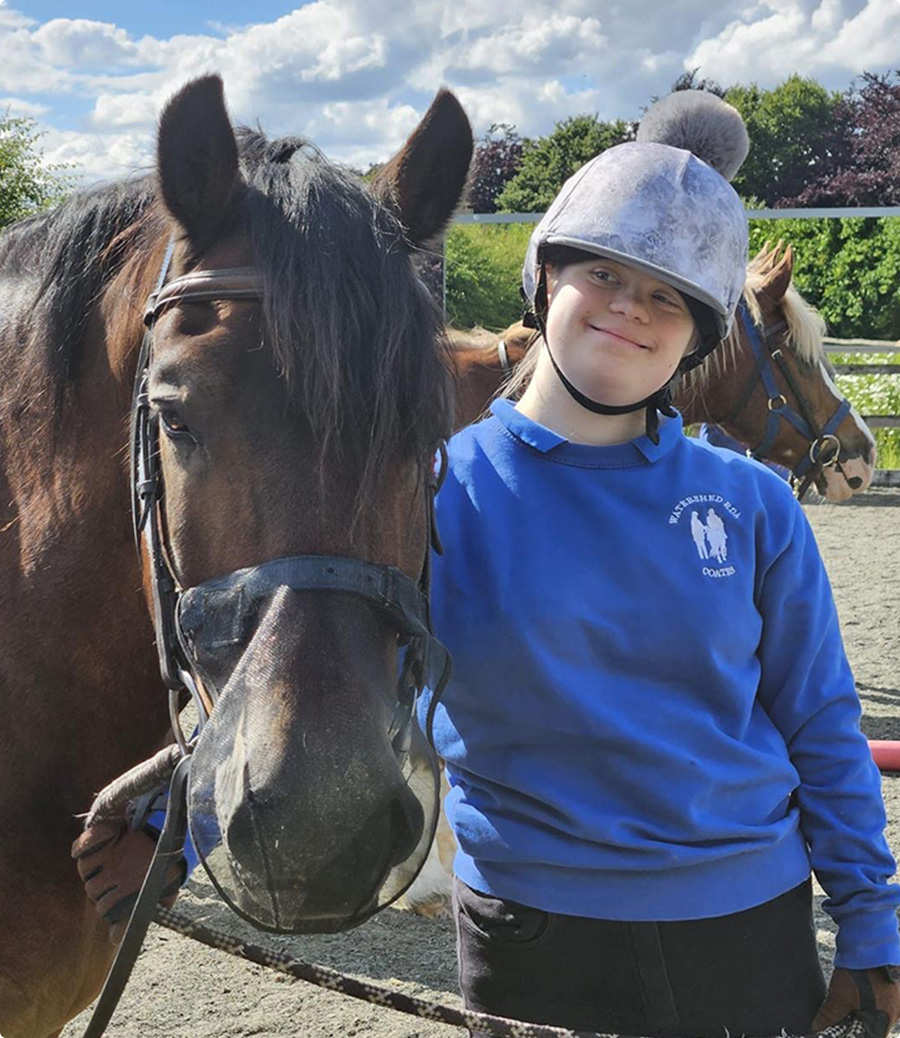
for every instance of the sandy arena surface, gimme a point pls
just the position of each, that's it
(180, 988)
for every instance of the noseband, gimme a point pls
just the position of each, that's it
(824, 445)
(406, 603)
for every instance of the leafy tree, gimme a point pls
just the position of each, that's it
(848, 269)
(548, 162)
(498, 156)
(799, 134)
(870, 173)
(689, 81)
(27, 183)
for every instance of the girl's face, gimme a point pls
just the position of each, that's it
(616, 332)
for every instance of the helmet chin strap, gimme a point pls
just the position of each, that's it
(656, 402)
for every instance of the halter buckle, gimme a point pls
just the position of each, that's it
(777, 403)
(816, 447)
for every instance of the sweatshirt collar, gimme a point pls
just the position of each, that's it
(557, 448)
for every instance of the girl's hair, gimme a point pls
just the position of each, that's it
(559, 257)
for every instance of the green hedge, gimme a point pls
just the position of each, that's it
(484, 272)
(848, 269)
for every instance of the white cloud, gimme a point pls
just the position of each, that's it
(355, 75)
(98, 157)
(831, 40)
(17, 107)
(74, 43)
(124, 110)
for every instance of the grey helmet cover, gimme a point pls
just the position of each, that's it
(662, 204)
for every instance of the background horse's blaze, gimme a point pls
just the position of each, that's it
(304, 425)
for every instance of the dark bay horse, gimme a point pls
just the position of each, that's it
(302, 422)
(780, 415)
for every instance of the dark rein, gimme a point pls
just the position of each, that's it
(405, 602)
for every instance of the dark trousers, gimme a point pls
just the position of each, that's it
(753, 973)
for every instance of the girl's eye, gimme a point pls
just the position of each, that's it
(603, 275)
(668, 300)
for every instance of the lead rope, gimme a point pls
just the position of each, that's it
(146, 777)
(169, 846)
(855, 1025)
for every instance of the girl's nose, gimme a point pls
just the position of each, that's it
(630, 303)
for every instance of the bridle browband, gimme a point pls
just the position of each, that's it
(824, 446)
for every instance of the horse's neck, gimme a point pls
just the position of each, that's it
(76, 650)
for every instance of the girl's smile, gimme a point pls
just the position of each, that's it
(618, 334)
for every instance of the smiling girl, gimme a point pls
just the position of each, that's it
(652, 733)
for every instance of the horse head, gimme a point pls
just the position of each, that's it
(770, 386)
(297, 389)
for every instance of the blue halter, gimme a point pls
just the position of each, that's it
(824, 445)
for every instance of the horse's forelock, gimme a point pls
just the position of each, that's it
(806, 326)
(356, 336)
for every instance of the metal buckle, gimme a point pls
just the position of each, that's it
(773, 400)
(815, 450)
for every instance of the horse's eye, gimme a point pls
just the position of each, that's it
(173, 426)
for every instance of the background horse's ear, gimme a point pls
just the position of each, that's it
(425, 180)
(197, 159)
(777, 279)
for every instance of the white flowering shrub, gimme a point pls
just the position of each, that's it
(874, 394)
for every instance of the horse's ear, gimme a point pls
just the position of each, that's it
(777, 280)
(197, 160)
(425, 180)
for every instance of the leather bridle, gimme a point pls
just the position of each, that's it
(406, 602)
(823, 444)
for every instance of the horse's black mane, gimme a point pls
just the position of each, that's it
(352, 331)
(66, 257)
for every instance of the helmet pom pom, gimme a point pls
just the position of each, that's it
(699, 122)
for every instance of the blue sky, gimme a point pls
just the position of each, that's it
(356, 75)
(141, 16)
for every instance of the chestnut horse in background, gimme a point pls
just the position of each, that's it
(302, 422)
(727, 389)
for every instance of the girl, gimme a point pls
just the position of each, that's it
(652, 734)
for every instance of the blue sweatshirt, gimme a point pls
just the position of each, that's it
(651, 715)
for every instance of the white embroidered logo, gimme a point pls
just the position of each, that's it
(710, 538)
(705, 515)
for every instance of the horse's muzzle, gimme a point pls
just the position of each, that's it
(310, 806)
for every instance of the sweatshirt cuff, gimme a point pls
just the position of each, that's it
(868, 939)
(156, 820)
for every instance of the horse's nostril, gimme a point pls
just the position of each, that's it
(855, 482)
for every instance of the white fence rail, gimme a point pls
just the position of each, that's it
(752, 214)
